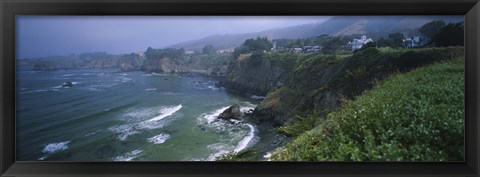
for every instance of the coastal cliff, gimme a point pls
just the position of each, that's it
(208, 64)
(126, 62)
(320, 83)
(259, 73)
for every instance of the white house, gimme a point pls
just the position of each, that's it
(227, 50)
(358, 43)
(412, 42)
(189, 52)
(314, 48)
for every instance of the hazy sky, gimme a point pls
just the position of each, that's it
(39, 36)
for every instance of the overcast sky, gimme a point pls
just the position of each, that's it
(39, 36)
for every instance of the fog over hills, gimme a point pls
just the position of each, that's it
(373, 26)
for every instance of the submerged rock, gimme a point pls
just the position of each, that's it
(232, 112)
(67, 84)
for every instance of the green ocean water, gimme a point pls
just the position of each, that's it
(132, 116)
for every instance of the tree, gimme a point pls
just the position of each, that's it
(297, 43)
(450, 35)
(260, 44)
(334, 44)
(251, 45)
(382, 42)
(397, 39)
(164, 53)
(240, 50)
(208, 49)
(430, 29)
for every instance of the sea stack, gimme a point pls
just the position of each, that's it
(233, 112)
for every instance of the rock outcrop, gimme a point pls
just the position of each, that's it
(211, 65)
(45, 66)
(164, 65)
(255, 75)
(128, 62)
(232, 112)
(67, 85)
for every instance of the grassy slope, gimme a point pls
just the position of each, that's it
(318, 82)
(417, 116)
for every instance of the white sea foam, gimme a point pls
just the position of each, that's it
(267, 156)
(154, 74)
(212, 87)
(123, 79)
(150, 125)
(67, 75)
(169, 93)
(257, 97)
(124, 131)
(245, 142)
(245, 109)
(99, 87)
(150, 89)
(55, 147)
(211, 116)
(93, 133)
(159, 139)
(165, 112)
(220, 149)
(129, 155)
(153, 123)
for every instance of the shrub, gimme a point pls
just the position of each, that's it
(244, 155)
(416, 116)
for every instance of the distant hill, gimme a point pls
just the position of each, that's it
(373, 26)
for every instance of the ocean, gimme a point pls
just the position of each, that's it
(129, 116)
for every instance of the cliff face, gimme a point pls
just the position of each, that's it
(164, 65)
(45, 66)
(318, 84)
(256, 74)
(128, 62)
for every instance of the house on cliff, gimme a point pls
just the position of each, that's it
(412, 42)
(358, 43)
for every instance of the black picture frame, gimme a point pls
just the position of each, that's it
(10, 8)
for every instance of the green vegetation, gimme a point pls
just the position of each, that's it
(164, 53)
(450, 35)
(286, 60)
(432, 28)
(394, 40)
(335, 44)
(301, 125)
(213, 59)
(208, 49)
(253, 45)
(244, 155)
(416, 116)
